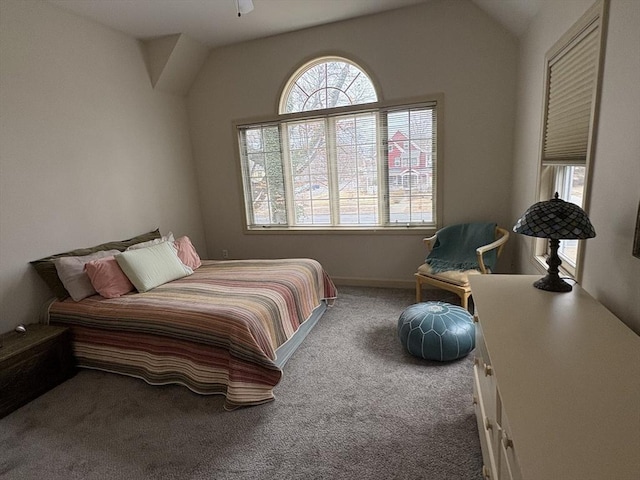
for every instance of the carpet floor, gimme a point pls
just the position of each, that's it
(352, 404)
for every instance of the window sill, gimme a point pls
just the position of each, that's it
(404, 230)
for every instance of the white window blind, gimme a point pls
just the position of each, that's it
(573, 75)
(570, 118)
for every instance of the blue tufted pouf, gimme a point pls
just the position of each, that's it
(437, 331)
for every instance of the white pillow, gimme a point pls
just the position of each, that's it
(149, 267)
(165, 238)
(74, 278)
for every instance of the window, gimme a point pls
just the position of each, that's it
(570, 120)
(328, 82)
(337, 158)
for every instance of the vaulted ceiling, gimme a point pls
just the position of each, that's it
(215, 22)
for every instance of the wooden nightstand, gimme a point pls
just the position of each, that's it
(32, 363)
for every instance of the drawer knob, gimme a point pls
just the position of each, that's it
(486, 473)
(506, 441)
(475, 319)
(488, 370)
(487, 424)
(475, 400)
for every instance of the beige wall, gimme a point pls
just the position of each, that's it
(611, 274)
(448, 47)
(88, 151)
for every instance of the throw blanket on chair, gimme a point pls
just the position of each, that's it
(455, 247)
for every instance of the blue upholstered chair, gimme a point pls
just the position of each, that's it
(457, 251)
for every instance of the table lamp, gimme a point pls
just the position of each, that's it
(556, 220)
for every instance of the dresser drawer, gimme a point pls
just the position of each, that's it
(483, 371)
(487, 429)
(507, 462)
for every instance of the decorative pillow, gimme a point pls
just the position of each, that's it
(74, 278)
(165, 238)
(187, 252)
(47, 269)
(108, 278)
(152, 266)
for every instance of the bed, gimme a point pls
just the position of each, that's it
(228, 328)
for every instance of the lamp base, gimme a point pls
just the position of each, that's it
(553, 283)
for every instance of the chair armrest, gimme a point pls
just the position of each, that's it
(499, 244)
(429, 241)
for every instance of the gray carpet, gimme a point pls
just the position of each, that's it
(352, 405)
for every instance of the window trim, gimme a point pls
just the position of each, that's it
(436, 98)
(548, 168)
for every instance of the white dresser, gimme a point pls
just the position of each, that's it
(556, 384)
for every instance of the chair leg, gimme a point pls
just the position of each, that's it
(464, 301)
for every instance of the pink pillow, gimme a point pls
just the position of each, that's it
(187, 253)
(108, 278)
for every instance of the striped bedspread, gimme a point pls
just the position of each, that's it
(215, 331)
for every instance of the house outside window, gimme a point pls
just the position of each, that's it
(337, 158)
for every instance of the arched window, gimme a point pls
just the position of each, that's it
(335, 157)
(327, 82)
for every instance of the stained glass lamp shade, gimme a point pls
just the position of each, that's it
(556, 220)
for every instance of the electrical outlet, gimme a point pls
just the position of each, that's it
(225, 253)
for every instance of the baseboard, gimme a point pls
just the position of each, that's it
(373, 282)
